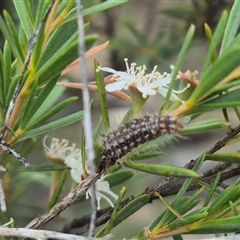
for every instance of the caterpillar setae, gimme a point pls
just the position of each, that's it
(130, 135)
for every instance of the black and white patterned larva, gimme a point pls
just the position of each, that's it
(130, 135)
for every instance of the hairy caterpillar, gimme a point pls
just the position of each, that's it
(130, 135)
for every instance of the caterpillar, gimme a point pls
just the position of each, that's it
(130, 135)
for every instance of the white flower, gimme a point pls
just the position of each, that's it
(147, 84)
(102, 188)
(59, 151)
(71, 156)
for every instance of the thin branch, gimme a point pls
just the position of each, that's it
(38, 234)
(68, 200)
(87, 115)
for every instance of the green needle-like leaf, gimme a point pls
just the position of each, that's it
(190, 218)
(213, 76)
(215, 40)
(204, 126)
(63, 122)
(56, 93)
(2, 84)
(6, 67)
(39, 101)
(162, 170)
(52, 112)
(7, 36)
(23, 9)
(178, 65)
(118, 177)
(230, 194)
(224, 157)
(131, 208)
(41, 10)
(212, 190)
(14, 34)
(224, 225)
(232, 27)
(102, 6)
(58, 189)
(62, 36)
(65, 55)
(111, 223)
(39, 168)
(102, 96)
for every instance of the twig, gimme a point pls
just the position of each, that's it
(87, 115)
(68, 200)
(38, 234)
(2, 196)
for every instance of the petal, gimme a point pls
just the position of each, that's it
(146, 91)
(173, 97)
(107, 69)
(116, 86)
(121, 74)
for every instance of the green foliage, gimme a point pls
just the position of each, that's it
(32, 61)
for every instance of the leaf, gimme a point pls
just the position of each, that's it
(212, 190)
(215, 40)
(52, 112)
(48, 104)
(232, 27)
(2, 86)
(41, 10)
(230, 194)
(183, 205)
(58, 189)
(38, 168)
(131, 208)
(162, 170)
(14, 35)
(221, 69)
(224, 225)
(29, 102)
(186, 43)
(7, 36)
(64, 34)
(102, 95)
(63, 122)
(6, 67)
(37, 103)
(229, 99)
(118, 177)
(224, 157)
(111, 223)
(204, 126)
(102, 6)
(62, 58)
(189, 218)
(23, 9)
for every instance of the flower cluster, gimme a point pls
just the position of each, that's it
(136, 77)
(60, 151)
